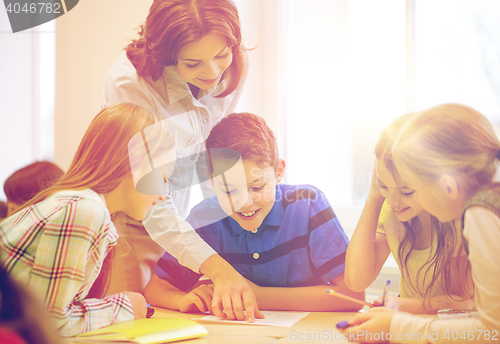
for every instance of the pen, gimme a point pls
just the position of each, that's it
(386, 292)
(334, 293)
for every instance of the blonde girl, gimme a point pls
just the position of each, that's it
(429, 253)
(58, 243)
(449, 155)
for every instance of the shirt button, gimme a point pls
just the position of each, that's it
(255, 255)
(254, 231)
(205, 120)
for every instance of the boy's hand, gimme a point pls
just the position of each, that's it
(139, 305)
(197, 300)
(375, 321)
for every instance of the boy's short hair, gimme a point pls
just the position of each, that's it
(247, 134)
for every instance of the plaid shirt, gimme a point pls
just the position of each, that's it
(57, 248)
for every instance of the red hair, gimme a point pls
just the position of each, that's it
(171, 24)
(249, 135)
(102, 159)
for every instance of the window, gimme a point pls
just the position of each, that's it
(457, 55)
(352, 66)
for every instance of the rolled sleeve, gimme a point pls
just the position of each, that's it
(91, 314)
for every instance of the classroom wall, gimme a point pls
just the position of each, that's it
(16, 139)
(24, 104)
(90, 38)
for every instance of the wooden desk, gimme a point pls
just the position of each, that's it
(316, 328)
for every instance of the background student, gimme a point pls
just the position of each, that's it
(188, 65)
(22, 316)
(25, 183)
(285, 239)
(449, 155)
(4, 210)
(435, 273)
(58, 243)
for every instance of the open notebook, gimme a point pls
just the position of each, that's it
(144, 331)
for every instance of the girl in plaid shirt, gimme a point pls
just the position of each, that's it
(60, 243)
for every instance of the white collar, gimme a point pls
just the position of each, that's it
(177, 88)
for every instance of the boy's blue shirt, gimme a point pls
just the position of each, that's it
(299, 243)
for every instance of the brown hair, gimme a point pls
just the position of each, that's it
(102, 160)
(444, 232)
(171, 24)
(26, 182)
(249, 135)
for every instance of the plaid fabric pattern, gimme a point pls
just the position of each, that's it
(57, 248)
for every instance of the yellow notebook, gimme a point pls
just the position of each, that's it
(144, 331)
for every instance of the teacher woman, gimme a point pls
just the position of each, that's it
(187, 66)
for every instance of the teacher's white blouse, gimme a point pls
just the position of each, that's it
(193, 118)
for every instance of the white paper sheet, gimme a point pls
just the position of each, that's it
(272, 318)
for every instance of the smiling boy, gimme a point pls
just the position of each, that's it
(285, 239)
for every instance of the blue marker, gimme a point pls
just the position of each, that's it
(343, 325)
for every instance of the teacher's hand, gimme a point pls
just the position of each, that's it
(232, 296)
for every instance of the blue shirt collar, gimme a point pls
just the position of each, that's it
(274, 218)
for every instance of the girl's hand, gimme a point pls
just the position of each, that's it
(139, 305)
(376, 322)
(197, 300)
(374, 187)
(391, 302)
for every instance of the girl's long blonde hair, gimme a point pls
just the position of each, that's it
(448, 139)
(100, 163)
(102, 159)
(437, 268)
